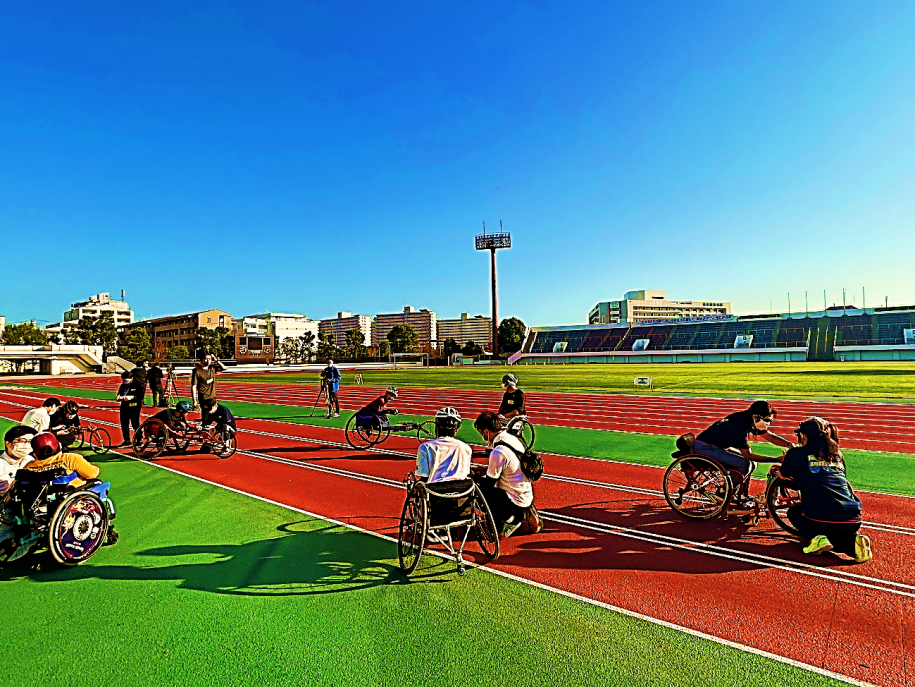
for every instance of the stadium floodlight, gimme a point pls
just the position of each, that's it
(493, 242)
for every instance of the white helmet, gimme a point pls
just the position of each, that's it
(391, 390)
(510, 379)
(448, 417)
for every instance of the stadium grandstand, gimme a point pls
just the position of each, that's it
(832, 334)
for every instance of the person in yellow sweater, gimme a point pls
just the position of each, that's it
(47, 455)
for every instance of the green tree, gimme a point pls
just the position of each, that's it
(403, 338)
(470, 348)
(355, 343)
(306, 347)
(137, 347)
(450, 346)
(24, 334)
(383, 349)
(326, 346)
(511, 335)
(208, 341)
(226, 347)
(178, 353)
(97, 331)
(289, 349)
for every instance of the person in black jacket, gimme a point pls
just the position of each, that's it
(130, 394)
(141, 374)
(65, 423)
(155, 376)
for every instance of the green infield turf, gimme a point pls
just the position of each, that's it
(878, 380)
(211, 587)
(892, 473)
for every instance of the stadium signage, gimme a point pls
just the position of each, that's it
(685, 320)
(642, 381)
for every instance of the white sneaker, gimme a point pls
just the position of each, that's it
(336, 414)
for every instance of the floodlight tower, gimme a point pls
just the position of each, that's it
(492, 243)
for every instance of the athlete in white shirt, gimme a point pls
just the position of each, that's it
(445, 457)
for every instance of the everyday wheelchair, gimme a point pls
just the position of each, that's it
(364, 430)
(432, 511)
(701, 488)
(41, 510)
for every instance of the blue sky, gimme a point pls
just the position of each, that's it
(316, 157)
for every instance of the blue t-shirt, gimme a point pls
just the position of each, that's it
(825, 493)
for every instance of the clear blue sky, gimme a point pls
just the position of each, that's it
(316, 157)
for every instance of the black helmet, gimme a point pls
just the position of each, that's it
(510, 379)
(71, 408)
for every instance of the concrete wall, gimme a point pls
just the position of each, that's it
(874, 353)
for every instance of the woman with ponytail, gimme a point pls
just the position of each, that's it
(829, 515)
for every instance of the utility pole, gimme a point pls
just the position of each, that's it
(492, 243)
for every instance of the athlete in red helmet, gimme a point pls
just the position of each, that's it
(47, 454)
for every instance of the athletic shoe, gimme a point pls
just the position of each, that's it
(532, 518)
(509, 528)
(336, 414)
(327, 416)
(863, 550)
(818, 545)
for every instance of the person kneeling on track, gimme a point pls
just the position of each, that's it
(218, 414)
(512, 400)
(445, 457)
(65, 422)
(18, 454)
(829, 514)
(508, 491)
(726, 440)
(39, 418)
(176, 418)
(47, 453)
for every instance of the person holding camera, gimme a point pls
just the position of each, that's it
(330, 380)
(203, 382)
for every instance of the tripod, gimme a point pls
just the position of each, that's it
(171, 391)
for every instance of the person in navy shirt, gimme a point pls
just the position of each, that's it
(330, 378)
(829, 514)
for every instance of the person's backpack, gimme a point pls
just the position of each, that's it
(531, 462)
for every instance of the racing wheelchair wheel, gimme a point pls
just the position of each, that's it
(522, 428)
(150, 439)
(484, 526)
(697, 487)
(225, 445)
(99, 440)
(780, 496)
(79, 528)
(411, 536)
(364, 436)
(426, 430)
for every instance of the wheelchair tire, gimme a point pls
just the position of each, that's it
(364, 436)
(484, 526)
(79, 528)
(411, 535)
(780, 496)
(697, 487)
(225, 448)
(522, 428)
(100, 440)
(426, 430)
(150, 439)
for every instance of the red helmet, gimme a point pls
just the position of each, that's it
(45, 445)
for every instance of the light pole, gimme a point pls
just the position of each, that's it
(492, 243)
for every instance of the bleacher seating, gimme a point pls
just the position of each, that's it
(679, 338)
(794, 332)
(890, 326)
(854, 330)
(706, 336)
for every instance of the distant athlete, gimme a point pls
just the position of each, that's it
(512, 400)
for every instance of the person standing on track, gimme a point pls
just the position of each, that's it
(512, 400)
(829, 514)
(141, 374)
(130, 394)
(203, 381)
(155, 377)
(330, 379)
(39, 418)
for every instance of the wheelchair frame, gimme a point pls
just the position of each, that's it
(701, 488)
(148, 445)
(416, 532)
(365, 436)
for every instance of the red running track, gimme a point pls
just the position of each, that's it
(610, 537)
(868, 426)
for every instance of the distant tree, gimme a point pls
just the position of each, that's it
(470, 348)
(450, 346)
(178, 353)
(403, 338)
(137, 346)
(326, 346)
(306, 347)
(158, 350)
(355, 343)
(97, 331)
(25, 334)
(288, 349)
(226, 346)
(511, 335)
(208, 341)
(383, 349)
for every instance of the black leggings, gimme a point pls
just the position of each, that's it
(501, 507)
(130, 415)
(840, 534)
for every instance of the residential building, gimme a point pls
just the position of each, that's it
(344, 322)
(276, 324)
(466, 328)
(95, 306)
(646, 306)
(180, 330)
(423, 321)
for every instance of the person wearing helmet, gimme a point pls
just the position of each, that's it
(330, 380)
(507, 489)
(39, 418)
(47, 454)
(65, 423)
(221, 416)
(829, 514)
(18, 454)
(512, 400)
(445, 457)
(380, 405)
(175, 418)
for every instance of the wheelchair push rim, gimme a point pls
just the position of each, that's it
(426, 430)
(780, 496)
(79, 528)
(697, 487)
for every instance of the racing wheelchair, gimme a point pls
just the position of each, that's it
(154, 437)
(432, 511)
(41, 510)
(521, 427)
(364, 430)
(701, 488)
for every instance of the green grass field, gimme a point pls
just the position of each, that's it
(871, 381)
(210, 587)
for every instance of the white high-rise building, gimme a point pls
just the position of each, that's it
(644, 305)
